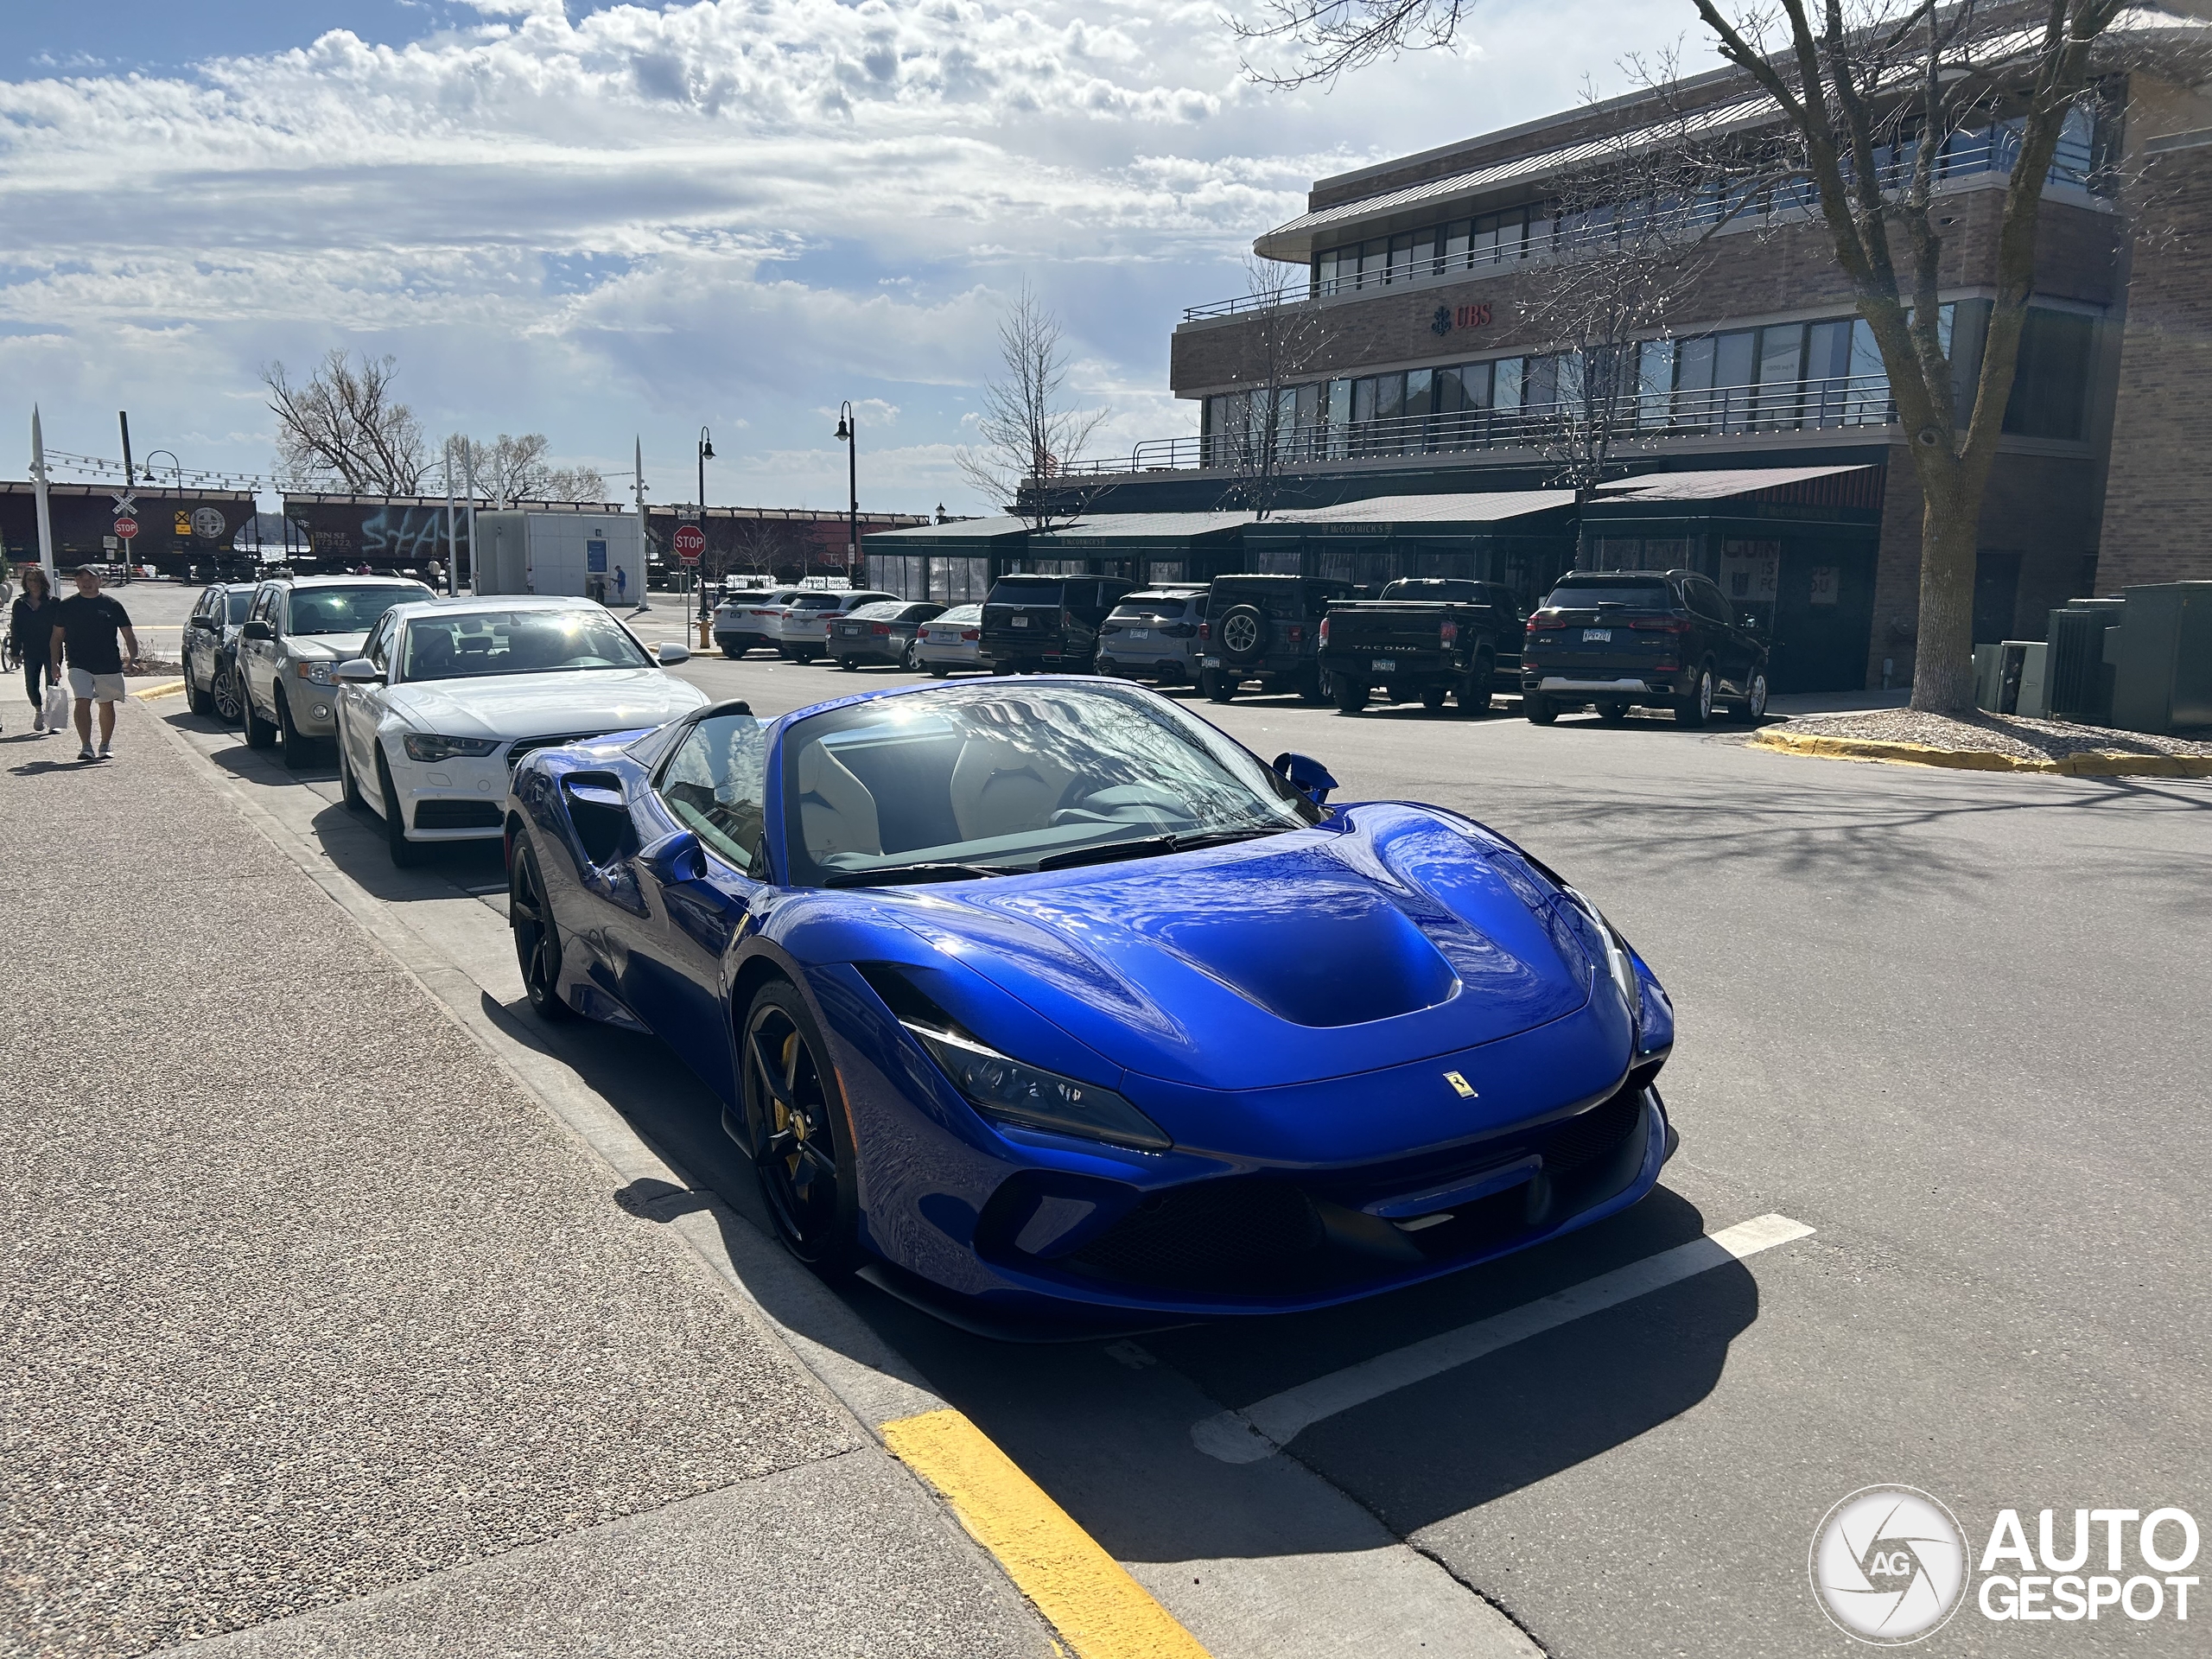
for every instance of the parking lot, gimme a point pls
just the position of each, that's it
(1946, 1026)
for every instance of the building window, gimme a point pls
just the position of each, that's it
(2051, 381)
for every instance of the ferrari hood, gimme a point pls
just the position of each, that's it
(535, 705)
(1306, 955)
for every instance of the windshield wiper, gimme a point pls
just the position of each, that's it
(885, 875)
(1153, 846)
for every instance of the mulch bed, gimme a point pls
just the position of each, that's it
(2013, 735)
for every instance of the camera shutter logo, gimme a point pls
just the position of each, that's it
(1889, 1565)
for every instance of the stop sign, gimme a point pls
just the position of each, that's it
(690, 543)
(126, 528)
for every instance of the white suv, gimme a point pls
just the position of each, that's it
(746, 620)
(804, 634)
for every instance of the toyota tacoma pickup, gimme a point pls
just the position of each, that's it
(1425, 639)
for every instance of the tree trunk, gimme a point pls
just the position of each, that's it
(1942, 666)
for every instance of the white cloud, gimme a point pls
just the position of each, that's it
(733, 211)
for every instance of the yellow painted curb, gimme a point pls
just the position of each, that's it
(164, 688)
(2097, 764)
(1100, 1611)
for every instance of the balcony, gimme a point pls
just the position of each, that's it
(1474, 247)
(1838, 403)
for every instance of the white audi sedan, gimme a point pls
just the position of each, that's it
(447, 694)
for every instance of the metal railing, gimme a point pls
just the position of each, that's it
(1965, 155)
(1835, 403)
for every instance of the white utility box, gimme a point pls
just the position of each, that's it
(594, 556)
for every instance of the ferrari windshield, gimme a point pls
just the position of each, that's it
(463, 645)
(996, 778)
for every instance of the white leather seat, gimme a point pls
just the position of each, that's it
(837, 814)
(1001, 788)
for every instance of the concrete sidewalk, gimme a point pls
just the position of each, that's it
(317, 1316)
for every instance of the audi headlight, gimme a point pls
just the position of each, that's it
(314, 673)
(1010, 1091)
(427, 747)
(1620, 960)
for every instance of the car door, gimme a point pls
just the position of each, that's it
(199, 655)
(361, 708)
(1730, 645)
(257, 657)
(695, 886)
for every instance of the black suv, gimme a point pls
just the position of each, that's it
(1268, 629)
(1048, 623)
(1623, 638)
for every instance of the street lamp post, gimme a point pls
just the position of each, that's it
(177, 467)
(705, 454)
(848, 433)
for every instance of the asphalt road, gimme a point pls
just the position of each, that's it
(1952, 1023)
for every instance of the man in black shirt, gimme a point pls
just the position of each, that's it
(86, 624)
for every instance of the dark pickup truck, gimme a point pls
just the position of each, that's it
(1426, 638)
(1641, 638)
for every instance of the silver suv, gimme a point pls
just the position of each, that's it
(298, 631)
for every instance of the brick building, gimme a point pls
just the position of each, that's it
(1420, 367)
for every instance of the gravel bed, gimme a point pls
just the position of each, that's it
(2013, 735)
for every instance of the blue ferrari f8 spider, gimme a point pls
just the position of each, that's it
(1054, 998)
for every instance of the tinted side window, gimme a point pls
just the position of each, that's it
(714, 783)
(378, 648)
(1705, 600)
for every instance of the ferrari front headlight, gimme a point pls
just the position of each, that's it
(1620, 960)
(1013, 1091)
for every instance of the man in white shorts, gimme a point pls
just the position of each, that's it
(86, 624)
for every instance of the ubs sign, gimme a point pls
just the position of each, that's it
(1449, 317)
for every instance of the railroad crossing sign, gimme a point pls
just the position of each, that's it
(690, 542)
(126, 528)
(125, 503)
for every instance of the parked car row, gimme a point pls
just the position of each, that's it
(427, 703)
(1614, 640)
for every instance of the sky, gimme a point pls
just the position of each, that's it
(629, 222)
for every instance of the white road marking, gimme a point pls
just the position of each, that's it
(1265, 1427)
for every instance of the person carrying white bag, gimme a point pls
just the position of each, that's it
(31, 632)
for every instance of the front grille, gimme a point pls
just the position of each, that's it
(1213, 1236)
(1262, 1235)
(523, 745)
(457, 814)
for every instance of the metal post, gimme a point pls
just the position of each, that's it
(849, 432)
(475, 565)
(45, 514)
(123, 420)
(644, 542)
(453, 550)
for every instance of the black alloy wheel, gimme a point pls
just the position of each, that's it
(405, 853)
(1217, 686)
(939, 672)
(1697, 708)
(849, 665)
(537, 936)
(1612, 713)
(226, 694)
(198, 700)
(1349, 695)
(791, 1113)
(1540, 708)
(732, 653)
(260, 734)
(1475, 689)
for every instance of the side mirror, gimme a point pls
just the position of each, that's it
(257, 629)
(1305, 775)
(357, 670)
(203, 622)
(671, 653)
(675, 857)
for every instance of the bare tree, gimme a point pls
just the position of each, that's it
(1630, 247)
(512, 469)
(1265, 432)
(1028, 434)
(343, 427)
(1865, 95)
(758, 547)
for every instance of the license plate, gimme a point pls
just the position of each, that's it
(1212, 661)
(1382, 665)
(1139, 633)
(1020, 621)
(1596, 636)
